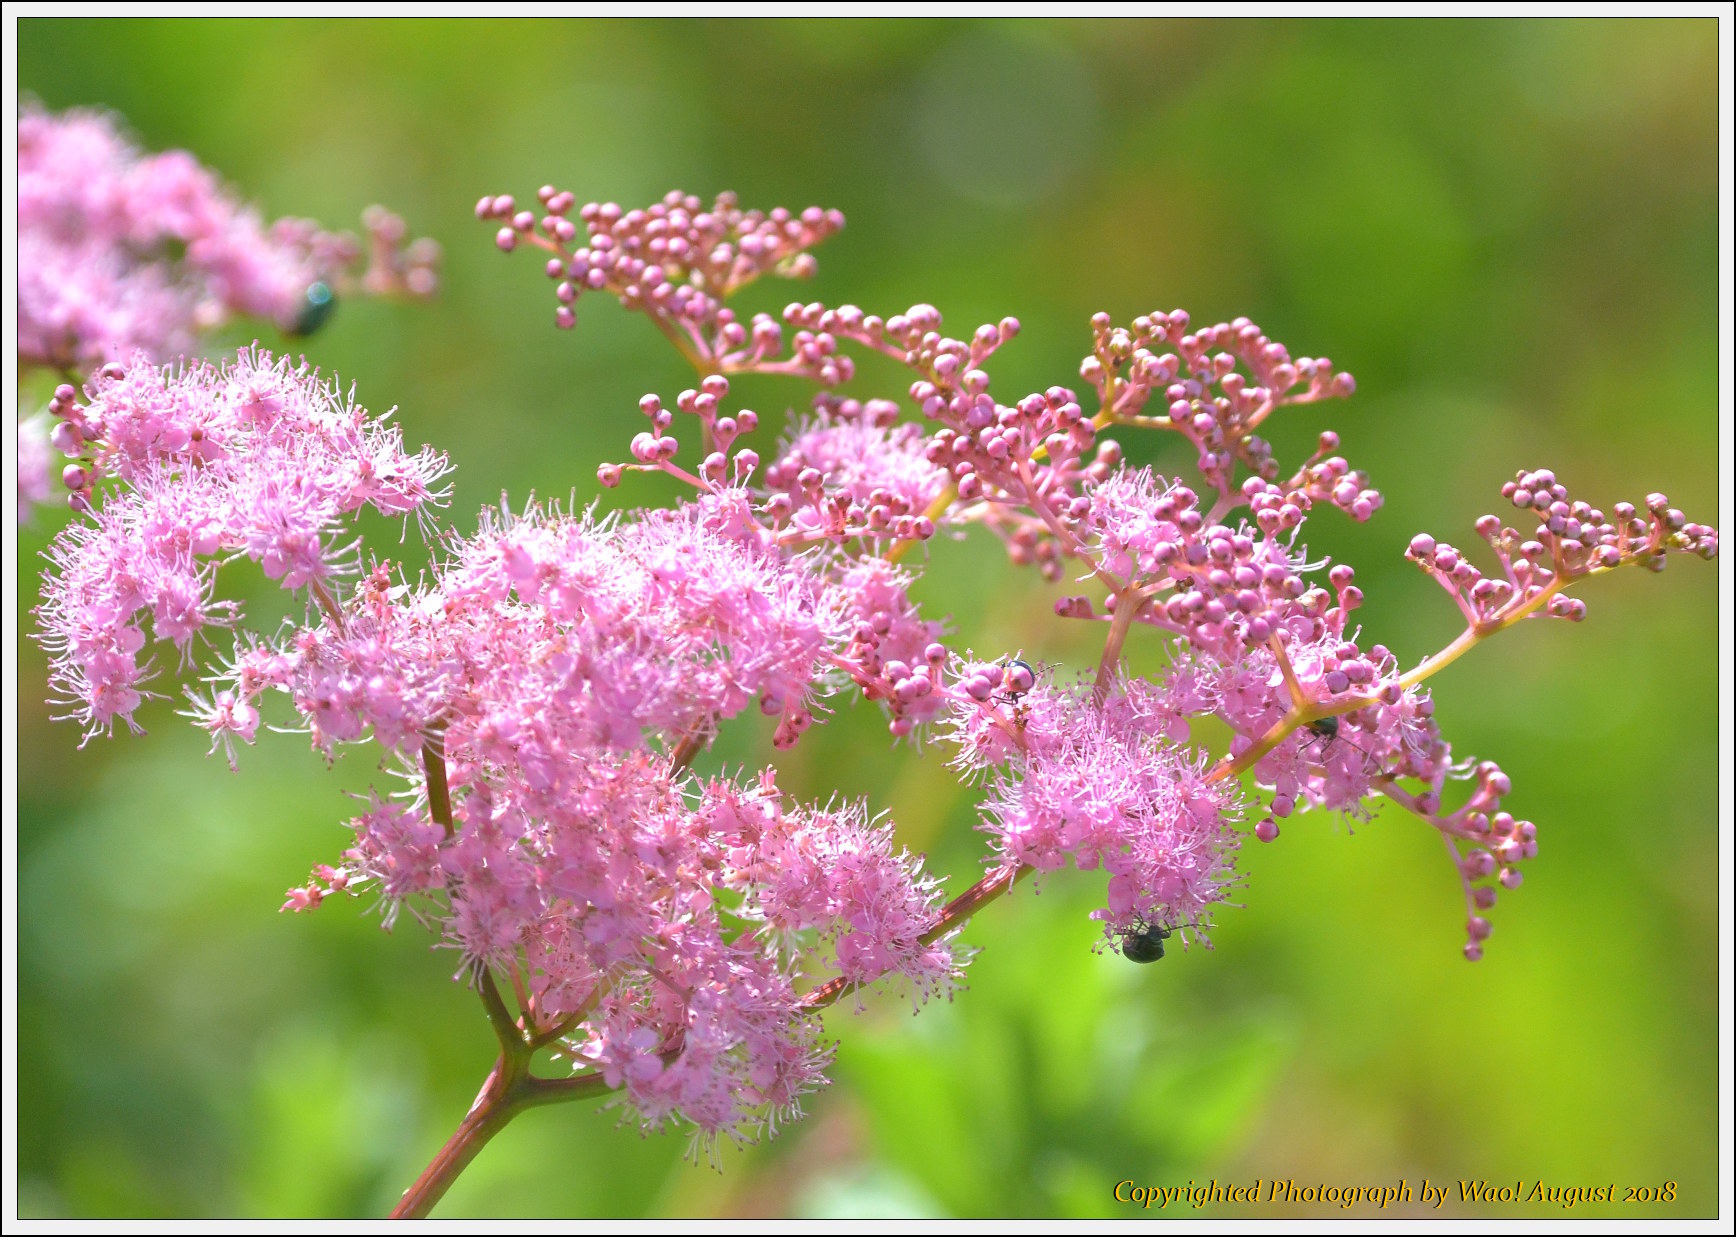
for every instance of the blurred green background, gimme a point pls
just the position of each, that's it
(1506, 230)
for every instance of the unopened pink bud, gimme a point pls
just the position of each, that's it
(66, 438)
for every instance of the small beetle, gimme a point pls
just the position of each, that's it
(1146, 944)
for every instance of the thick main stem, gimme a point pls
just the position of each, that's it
(494, 1107)
(509, 1089)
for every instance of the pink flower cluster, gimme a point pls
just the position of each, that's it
(121, 251)
(255, 458)
(540, 672)
(668, 925)
(1101, 783)
(550, 658)
(854, 465)
(545, 689)
(1318, 717)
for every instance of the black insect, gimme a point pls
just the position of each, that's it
(1325, 732)
(1145, 944)
(317, 305)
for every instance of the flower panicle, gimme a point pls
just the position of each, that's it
(181, 467)
(546, 685)
(1571, 540)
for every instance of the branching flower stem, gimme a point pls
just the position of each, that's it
(953, 916)
(1303, 712)
(1128, 603)
(510, 1089)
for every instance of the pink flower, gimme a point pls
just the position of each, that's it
(254, 458)
(33, 465)
(122, 251)
(1096, 785)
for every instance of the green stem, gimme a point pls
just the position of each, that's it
(434, 770)
(1478, 632)
(1303, 711)
(1281, 729)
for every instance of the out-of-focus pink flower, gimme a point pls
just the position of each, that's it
(34, 463)
(120, 251)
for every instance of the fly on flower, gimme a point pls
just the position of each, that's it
(1017, 679)
(1326, 732)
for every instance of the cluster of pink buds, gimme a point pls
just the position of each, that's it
(396, 265)
(895, 654)
(326, 880)
(68, 436)
(675, 260)
(1251, 376)
(1573, 539)
(1487, 843)
(655, 448)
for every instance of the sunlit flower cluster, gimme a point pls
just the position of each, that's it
(545, 688)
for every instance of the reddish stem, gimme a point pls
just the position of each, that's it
(509, 1089)
(489, 1115)
(955, 913)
